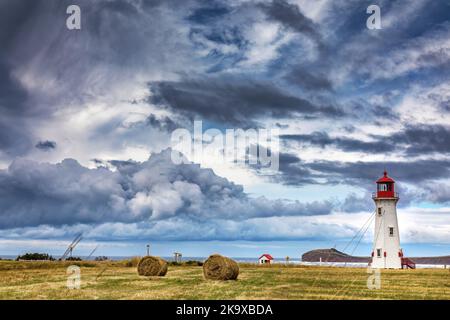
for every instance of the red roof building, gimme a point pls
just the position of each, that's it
(265, 259)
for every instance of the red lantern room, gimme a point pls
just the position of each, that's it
(385, 187)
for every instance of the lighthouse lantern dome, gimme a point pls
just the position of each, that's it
(385, 187)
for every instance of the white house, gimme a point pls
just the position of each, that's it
(265, 259)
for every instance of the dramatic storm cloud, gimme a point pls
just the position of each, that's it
(82, 110)
(46, 145)
(413, 140)
(290, 16)
(68, 193)
(235, 100)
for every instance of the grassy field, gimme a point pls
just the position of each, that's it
(119, 280)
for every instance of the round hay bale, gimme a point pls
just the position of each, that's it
(217, 267)
(152, 266)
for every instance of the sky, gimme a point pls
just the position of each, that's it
(87, 119)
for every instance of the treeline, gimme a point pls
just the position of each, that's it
(186, 263)
(35, 256)
(47, 257)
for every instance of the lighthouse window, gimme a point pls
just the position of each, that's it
(379, 253)
(391, 231)
(379, 211)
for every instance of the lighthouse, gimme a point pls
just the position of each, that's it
(386, 253)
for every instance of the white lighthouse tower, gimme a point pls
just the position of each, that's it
(386, 253)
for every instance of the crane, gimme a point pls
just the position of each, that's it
(72, 246)
(92, 252)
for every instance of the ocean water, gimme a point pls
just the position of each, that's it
(255, 261)
(171, 258)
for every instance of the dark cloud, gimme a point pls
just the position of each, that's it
(12, 94)
(45, 67)
(308, 80)
(293, 171)
(354, 203)
(281, 125)
(364, 173)
(414, 140)
(19, 20)
(257, 229)
(197, 57)
(14, 134)
(423, 139)
(46, 145)
(15, 138)
(209, 13)
(13, 17)
(118, 164)
(421, 174)
(218, 29)
(443, 102)
(163, 123)
(322, 139)
(123, 164)
(234, 100)
(68, 193)
(437, 193)
(290, 16)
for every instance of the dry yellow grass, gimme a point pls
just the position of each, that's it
(114, 280)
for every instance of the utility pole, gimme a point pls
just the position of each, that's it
(177, 256)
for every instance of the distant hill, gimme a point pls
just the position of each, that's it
(333, 255)
(432, 260)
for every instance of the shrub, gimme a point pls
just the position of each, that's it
(35, 256)
(186, 263)
(133, 262)
(74, 259)
(101, 258)
(193, 263)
